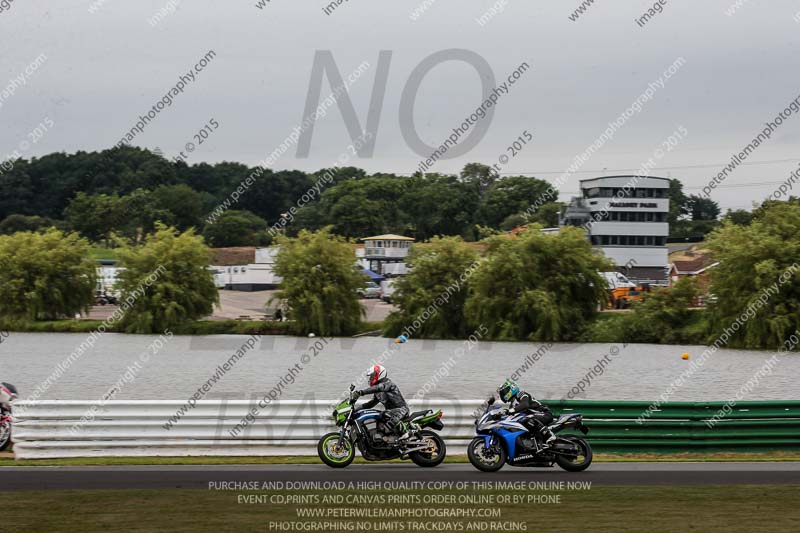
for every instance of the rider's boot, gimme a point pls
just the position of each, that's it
(405, 434)
(551, 438)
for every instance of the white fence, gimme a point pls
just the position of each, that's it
(51, 429)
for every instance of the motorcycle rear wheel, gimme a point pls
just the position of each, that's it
(435, 454)
(579, 463)
(334, 455)
(476, 451)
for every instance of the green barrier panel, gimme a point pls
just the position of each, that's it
(687, 426)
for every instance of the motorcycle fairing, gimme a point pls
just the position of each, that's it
(510, 439)
(367, 414)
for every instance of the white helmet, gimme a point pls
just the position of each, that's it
(376, 374)
(7, 393)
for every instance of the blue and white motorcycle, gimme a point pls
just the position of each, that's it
(503, 438)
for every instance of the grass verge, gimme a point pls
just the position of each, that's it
(618, 509)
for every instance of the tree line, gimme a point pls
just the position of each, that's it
(48, 275)
(539, 286)
(531, 285)
(126, 191)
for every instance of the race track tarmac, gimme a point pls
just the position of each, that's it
(198, 477)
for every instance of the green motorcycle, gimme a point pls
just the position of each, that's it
(364, 428)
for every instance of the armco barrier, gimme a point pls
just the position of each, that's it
(47, 429)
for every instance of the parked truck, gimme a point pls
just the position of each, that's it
(622, 291)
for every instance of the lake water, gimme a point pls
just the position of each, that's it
(636, 372)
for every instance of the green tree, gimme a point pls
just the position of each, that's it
(236, 228)
(275, 193)
(139, 214)
(677, 202)
(17, 190)
(320, 279)
(547, 215)
(663, 317)
(94, 216)
(537, 286)
(512, 194)
(166, 281)
(481, 175)
(513, 221)
(701, 208)
(45, 275)
(703, 213)
(751, 261)
(184, 205)
(740, 217)
(438, 282)
(766, 205)
(439, 205)
(14, 223)
(358, 207)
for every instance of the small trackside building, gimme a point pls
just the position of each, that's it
(385, 254)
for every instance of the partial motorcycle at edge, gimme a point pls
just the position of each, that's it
(8, 393)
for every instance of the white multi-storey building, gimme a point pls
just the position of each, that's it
(626, 218)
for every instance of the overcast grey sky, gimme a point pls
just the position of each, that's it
(106, 68)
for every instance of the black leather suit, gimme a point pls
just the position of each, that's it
(541, 415)
(387, 393)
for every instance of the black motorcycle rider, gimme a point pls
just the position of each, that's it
(520, 401)
(386, 393)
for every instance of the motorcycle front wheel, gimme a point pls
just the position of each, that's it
(5, 435)
(334, 455)
(486, 459)
(581, 461)
(435, 453)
